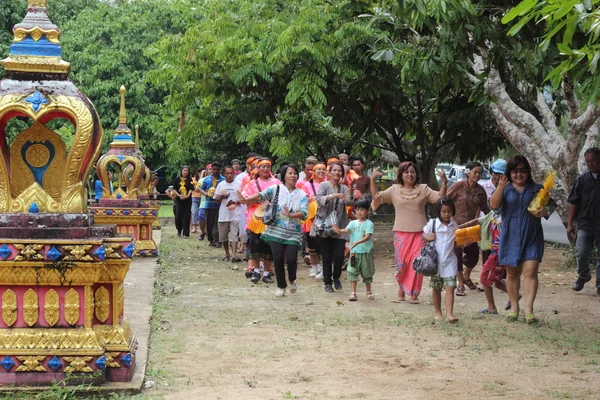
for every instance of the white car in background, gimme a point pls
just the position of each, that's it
(458, 173)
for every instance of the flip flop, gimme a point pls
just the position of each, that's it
(486, 311)
(531, 319)
(512, 317)
(398, 300)
(414, 301)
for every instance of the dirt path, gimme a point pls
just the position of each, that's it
(218, 336)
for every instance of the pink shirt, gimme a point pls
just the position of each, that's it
(251, 189)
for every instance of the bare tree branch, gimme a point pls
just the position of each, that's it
(548, 118)
(570, 97)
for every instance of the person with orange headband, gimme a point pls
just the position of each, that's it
(241, 179)
(285, 234)
(259, 249)
(314, 250)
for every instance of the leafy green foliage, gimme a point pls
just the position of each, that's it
(571, 27)
(319, 77)
(106, 47)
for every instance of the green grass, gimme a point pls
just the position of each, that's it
(166, 209)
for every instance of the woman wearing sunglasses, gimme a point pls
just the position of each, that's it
(521, 237)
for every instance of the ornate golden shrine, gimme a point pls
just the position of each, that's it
(128, 205)
(61, 276)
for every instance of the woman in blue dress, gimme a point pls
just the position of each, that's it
(521, 237)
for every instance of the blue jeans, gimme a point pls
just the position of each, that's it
(583, 249)
(195, 207)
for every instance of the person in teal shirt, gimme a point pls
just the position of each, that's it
(361, 249)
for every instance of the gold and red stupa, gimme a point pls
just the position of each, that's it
(127, 205)
(61, 276)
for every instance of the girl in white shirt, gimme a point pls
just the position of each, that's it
(444, 237)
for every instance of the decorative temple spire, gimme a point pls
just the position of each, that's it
(123, 135)
(36, 47)
(137, 136)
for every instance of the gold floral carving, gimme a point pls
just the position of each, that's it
(102, 304)
(53, 65)
(30, 307)
(51, 307)
(9, 307)
(121, 299)
(78, 364)
(134, 167)
(36, 34)
(37, 3)
(38, 155)
(114, 272)
(143, 188)
(84, 149)
(31, 364)
(33, 341)
(111, 250)
(110, 359)
(72, 306)
(116, 338)
(29, 252)
(41, 275)
(89, 306)
(78, 253)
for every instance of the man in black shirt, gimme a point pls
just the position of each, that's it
(584, 208)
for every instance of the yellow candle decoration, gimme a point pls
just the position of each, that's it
(542, 197)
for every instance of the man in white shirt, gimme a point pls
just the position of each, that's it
(226, 194)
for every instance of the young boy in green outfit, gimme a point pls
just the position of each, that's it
(361, 249)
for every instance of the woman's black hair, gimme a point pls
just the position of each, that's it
(473, 164)
(362, 203)
(445, 201)
(339, 164)
(283, 171)
(513, 163)
(403, 167)
(182, 168)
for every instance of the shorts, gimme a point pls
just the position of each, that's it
(228, 231)
(439, 283)
(259, 248)
(492, 272)
(361, 264)
(467, 256)
(202, 214)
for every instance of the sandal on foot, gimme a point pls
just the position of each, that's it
(226, 258)
(370, 296)
(293, 288)
(531, 319)
(486, 311)
(414, 301)
(470, 284)
(352, 297)
(512, 316)
(460, 291)
(399, 300)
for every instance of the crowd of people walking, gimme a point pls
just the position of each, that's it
(321, 212)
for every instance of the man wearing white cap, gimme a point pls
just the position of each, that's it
(497, 169)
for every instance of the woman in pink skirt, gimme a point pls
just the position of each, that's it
(409, 199)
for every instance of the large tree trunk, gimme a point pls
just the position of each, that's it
(540, 139)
